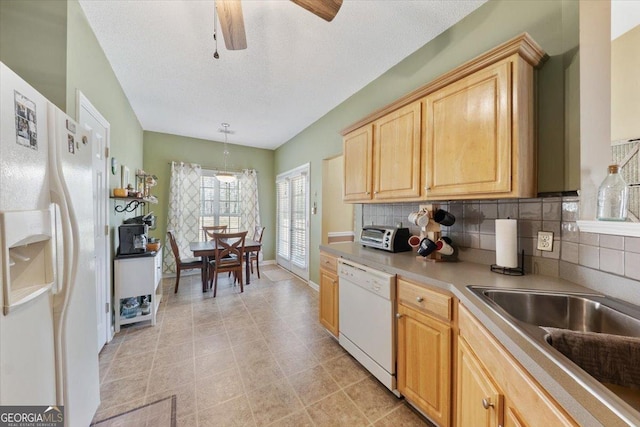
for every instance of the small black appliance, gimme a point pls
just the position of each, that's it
(387, 238)
(149, 219)
(133, 238)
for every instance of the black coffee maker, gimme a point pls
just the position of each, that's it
(149, 219)
(133, 239)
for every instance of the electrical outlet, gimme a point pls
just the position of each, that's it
(545, 241)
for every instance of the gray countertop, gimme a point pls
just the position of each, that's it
(583, 397)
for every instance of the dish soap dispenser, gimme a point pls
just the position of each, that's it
(613, 195)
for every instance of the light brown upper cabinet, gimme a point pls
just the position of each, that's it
(396, 154)
(469, 134)
(382, 159)
(479, 136)
(358, 162)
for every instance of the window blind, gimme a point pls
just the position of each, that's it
(283, 243)
(299, 220)
(220, 203)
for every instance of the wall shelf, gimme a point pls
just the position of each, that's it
(133, 203)
(631, 229)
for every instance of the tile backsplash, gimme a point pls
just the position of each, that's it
(474, 229)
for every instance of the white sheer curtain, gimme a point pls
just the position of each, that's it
(183, 214)
(249, 207)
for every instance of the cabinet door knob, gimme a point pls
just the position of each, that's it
(486, 403)
(419, 299)
(375, 192)
(368, 192)
(398, 315)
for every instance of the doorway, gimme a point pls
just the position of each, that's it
(292, 220)
(337, 216)
(90, 118)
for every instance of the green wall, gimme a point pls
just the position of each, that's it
(51, 46)
(89, 71)
(33, 43)
(553, 24)
(160, 149)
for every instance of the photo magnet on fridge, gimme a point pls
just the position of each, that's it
(26, 129)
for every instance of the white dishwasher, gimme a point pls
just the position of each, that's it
(367, 326)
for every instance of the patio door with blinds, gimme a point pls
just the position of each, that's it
(292, 233)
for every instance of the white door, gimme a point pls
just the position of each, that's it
(91, 119)
(292, 239)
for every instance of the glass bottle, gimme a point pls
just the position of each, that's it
(145, 307)
(613, 195)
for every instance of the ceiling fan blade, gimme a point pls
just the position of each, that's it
(325, 9)
(232, 24)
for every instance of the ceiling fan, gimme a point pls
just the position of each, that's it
(232, 21)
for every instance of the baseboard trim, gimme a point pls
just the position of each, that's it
(313, 286)
(193, 272)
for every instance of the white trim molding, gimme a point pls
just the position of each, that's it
(313, 285)
(631, 229)
(340, 236)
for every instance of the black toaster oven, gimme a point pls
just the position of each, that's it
(387, 238)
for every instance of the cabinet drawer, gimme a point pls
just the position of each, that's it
(425, 299)
(328, 262)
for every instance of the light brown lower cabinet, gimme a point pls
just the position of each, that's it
(493, 389)
(329, 293)
(424, 350)
(479, 401)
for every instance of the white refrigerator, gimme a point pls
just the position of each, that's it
(48, 321)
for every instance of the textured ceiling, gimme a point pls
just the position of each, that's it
(296, 68)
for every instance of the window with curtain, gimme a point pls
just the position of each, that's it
(183, 209)
(220, 203)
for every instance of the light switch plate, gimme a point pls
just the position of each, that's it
(545, 241)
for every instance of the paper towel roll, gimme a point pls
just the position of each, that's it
(507, 243)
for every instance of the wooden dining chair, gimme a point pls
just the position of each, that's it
(210, 229)
(254, 255)
(229, 255)
(182, 264)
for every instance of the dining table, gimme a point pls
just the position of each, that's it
(207, 251)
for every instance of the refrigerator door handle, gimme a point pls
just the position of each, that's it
(70, 234)
(63, 241)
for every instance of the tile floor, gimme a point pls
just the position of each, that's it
(254, 359)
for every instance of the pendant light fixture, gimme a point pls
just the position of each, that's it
(225, 176)
(215, 32)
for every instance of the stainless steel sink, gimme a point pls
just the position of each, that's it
(530, 311)
(576, 312)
